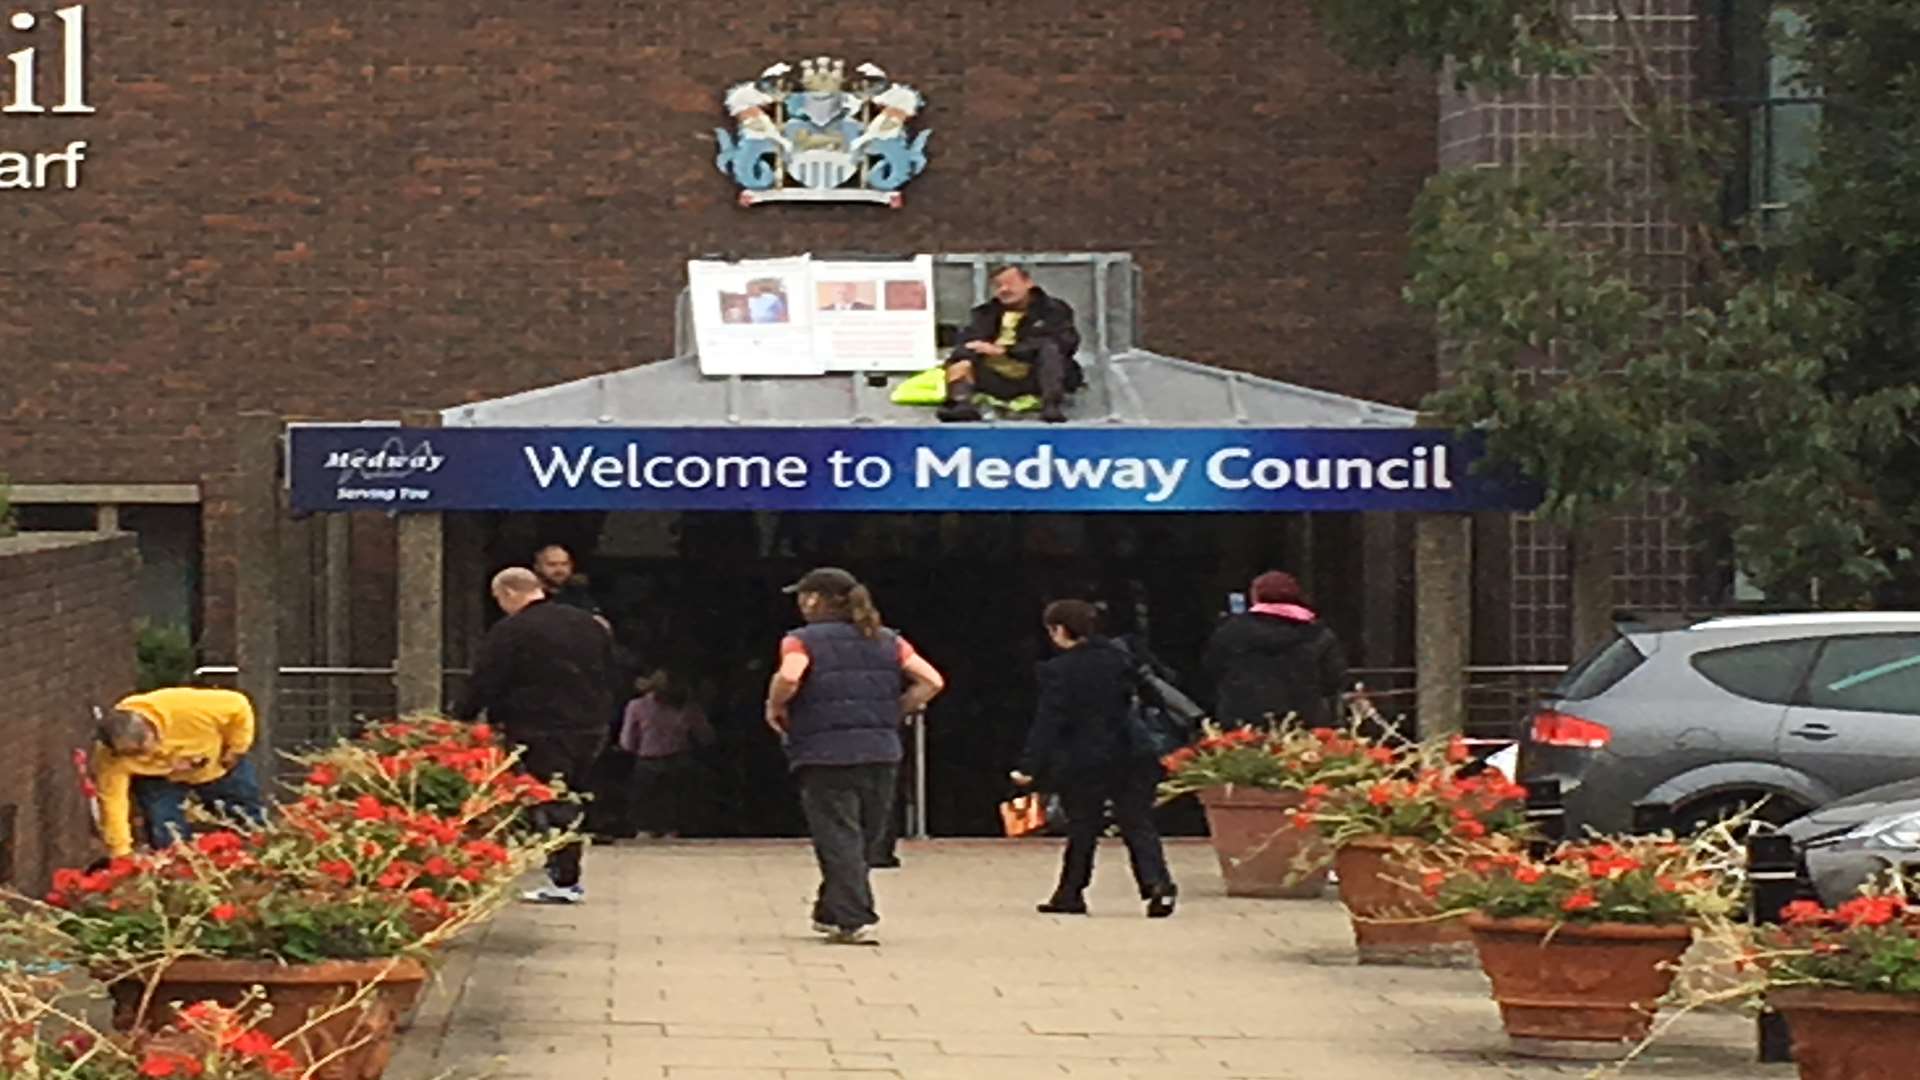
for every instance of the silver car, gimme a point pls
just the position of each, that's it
(1788, 711)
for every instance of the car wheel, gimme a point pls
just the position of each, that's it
(1774, 809)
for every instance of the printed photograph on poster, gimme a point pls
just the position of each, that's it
(874, 316)
(847, 295)
(906, 295)
(752, 317)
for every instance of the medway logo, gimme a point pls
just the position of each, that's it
(392, 461)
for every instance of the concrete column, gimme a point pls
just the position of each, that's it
(1442, 619)
(419, 604)
(256, 601)
(106, 518)
(1592, 558)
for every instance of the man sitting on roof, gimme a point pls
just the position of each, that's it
(1019, 343)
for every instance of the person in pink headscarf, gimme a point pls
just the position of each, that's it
(1276, 661)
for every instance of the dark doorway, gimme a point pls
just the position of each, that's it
(699, 594)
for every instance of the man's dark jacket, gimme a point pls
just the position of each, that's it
(1048, 319)
(544, 671)
(1080, 723)
(1264, 667)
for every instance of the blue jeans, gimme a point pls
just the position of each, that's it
(163, 802)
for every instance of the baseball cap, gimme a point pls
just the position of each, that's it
(829, 580)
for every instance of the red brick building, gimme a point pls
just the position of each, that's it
(347, 210)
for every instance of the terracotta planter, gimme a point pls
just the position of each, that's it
(1596, 984)
(1393, 923)
(296, 992)
(1259, 847)
(1849, 1035)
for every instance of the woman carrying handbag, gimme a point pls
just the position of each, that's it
(1082, 745)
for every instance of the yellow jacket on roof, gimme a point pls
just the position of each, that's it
(201, 731)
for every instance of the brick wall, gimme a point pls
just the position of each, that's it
(66, 640)
(342, 210)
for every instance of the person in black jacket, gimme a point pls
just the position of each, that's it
(1082, 745)
(543, 676)
(1019, 343)
(1275, 661)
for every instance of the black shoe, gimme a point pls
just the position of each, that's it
(1062, 907)
(1053, 414)
(1160, 904)
(891, 862)
(960, 412)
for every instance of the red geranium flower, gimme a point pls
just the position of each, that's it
(162, 1064)
(323, 776)
(1580, 901)
(1527, 875)
(1802, 912)
(252, 1042)
(368, 808)
(480, 733)
(224, 913)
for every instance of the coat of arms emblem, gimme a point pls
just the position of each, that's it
(819, 135)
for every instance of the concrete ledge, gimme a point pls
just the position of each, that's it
(121, 494)
(29, 543)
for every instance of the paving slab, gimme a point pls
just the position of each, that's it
(696, 960)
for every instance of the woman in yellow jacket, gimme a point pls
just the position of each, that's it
(163, 747)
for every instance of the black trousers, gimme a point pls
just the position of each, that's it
(569, 756)
(847, 808)
(660, 787)
(1052, 376)
(1130, 788)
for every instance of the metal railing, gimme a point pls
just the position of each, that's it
(1499, 697)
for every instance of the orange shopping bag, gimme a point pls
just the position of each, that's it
(1023, 815)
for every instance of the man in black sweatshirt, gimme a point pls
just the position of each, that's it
(543, 675)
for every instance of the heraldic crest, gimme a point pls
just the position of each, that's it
(818, 135)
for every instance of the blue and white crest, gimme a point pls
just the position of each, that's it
(818, 136)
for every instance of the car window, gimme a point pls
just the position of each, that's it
(1876, 673)
(1763, 671)
(1601, 669)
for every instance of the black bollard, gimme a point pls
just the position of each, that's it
(1773, 870)
(1651, 818)
(1547, 813)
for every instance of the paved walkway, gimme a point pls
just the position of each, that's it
(696, 961)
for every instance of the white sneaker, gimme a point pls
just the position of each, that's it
(859, 935)
(824, 928)
(554, 894)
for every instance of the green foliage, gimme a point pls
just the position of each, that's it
(164, 655)
(1773, 394)
(1489, 42)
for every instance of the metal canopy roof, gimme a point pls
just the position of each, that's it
(1126, 385)
(1136, 388)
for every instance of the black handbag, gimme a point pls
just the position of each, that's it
(1161, 718)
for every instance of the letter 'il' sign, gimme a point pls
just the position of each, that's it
(35, 170)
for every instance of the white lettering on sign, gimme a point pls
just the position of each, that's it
(1229, 470)
(37, 170)
(630, 468)
(1044, 469)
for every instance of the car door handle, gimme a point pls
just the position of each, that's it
(1814, 732)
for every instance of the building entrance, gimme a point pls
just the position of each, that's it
(699, 595)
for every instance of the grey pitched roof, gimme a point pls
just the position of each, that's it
(1135, 388)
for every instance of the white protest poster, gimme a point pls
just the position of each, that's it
(874, 316)
(753, 317)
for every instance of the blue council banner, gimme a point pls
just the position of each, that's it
(975, 467)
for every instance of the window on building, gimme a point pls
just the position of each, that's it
(1777, 115)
